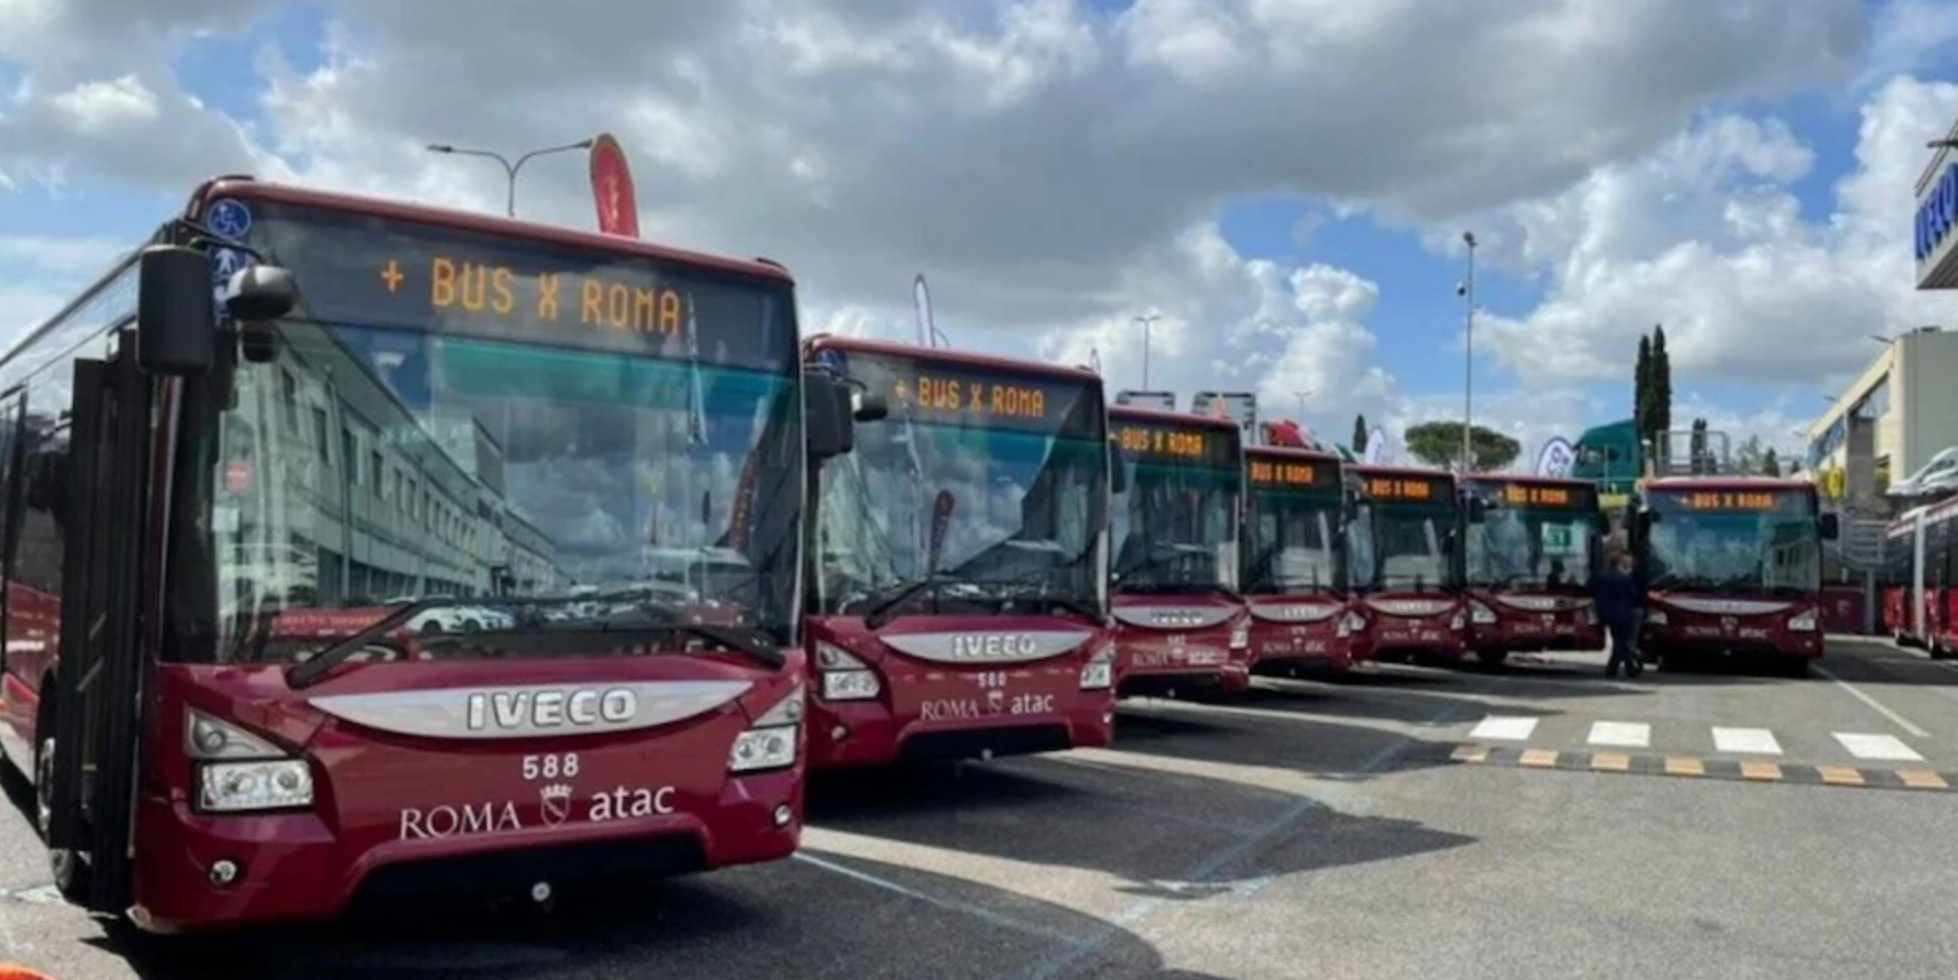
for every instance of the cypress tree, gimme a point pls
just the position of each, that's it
(1642, 389)
(1359, 443)
(1661, 393)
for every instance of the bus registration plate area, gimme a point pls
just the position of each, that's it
(990, 694)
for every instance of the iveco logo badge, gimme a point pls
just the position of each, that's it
(1175, 617)
(544, 710)
(994, 646)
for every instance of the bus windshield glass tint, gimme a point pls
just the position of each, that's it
(1534, 545)
(1756, 541)
(988, 484)
(1290, 541)
(417, 437)
(1173, 528)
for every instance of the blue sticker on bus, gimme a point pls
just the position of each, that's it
(834, 360)
(228, 218)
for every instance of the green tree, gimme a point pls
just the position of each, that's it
(1440, 444)
(1661, 391)
(1359, 443)
(1770, 465)
(1642, 389)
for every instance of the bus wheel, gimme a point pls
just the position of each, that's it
(1492, 658)
(64, 865)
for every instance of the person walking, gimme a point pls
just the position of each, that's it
(1619, 603)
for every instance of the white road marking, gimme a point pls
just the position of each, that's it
(1759, 741)
(1512, 728)
(987, 915)
(1900, 720)
(1888, 748)
(1621, 734)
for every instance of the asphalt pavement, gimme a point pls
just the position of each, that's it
(1534, 821)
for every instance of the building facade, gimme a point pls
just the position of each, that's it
(1906, 397)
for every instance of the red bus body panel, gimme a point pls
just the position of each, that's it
(929, 710)
(1703, 621)
(1536, 620)
(1179, 643)
(431, 810)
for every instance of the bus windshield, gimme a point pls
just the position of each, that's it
(453, 415)
(989, 486)
(1411, 518)
(1521, 543)
(1175, 528)
(1734, 541)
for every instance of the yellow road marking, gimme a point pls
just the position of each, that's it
(1760, 770)
(1470, 753)
(1679, 765)
(1922, 779)
(1542, 758)
(1840, 775)
(1611, 761)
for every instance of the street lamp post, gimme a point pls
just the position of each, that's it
(509, 169)
(1146, 321)
(1467, 290)
(1302, 394)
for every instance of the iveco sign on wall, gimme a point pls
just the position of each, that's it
(1935, 228)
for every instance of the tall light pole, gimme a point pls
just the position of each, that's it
(1146, 321)
(1301, 393)
(1467, 291)
(509, 169)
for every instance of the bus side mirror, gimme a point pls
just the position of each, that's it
(1118, 468)
(1831, 527)
(866, 407)
(176, 315)
(827, 421)
(1478, 509)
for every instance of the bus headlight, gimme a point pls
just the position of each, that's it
(238, 772)
(1099, 672)
(1803, 622)
(845, 678)
(770, 743)
(1241, 636)
(242, 787)
(1481, 614)
(1459, 621)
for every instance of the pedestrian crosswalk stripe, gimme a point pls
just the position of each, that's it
(1505, 727)
(1888, 748)
(1758, 741)
(1622, 734)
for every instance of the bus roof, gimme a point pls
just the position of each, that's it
(1293, 452)
(948, 355)
(1531, 478)
(1136, 413)
(251, 189)
(1390, 468)
(1725, 482)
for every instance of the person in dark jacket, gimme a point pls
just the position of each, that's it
(1619, 602)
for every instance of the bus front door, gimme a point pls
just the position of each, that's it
(98, 711)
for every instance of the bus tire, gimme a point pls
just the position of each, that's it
(69, 871)
(1492, 658)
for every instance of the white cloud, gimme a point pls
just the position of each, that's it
(1706, 236)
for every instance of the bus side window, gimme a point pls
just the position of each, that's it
(10, 498)
(44, 489)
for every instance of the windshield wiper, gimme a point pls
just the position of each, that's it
(878, 612)
(309, 671)
(742, 640)
(1045, 597)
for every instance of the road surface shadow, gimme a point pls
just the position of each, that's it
(789, 919)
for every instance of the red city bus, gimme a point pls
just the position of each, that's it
(1529, 563)
(1731, 564)
(363, 543)
(1180, 624)
(959, 606)
(1407, 566)
(1920, 578)
(1296, 572)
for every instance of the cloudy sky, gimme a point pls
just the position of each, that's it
(1284, 181)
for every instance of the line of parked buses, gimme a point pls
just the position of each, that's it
(891, 554)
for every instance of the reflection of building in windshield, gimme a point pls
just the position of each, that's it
(332, 493)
